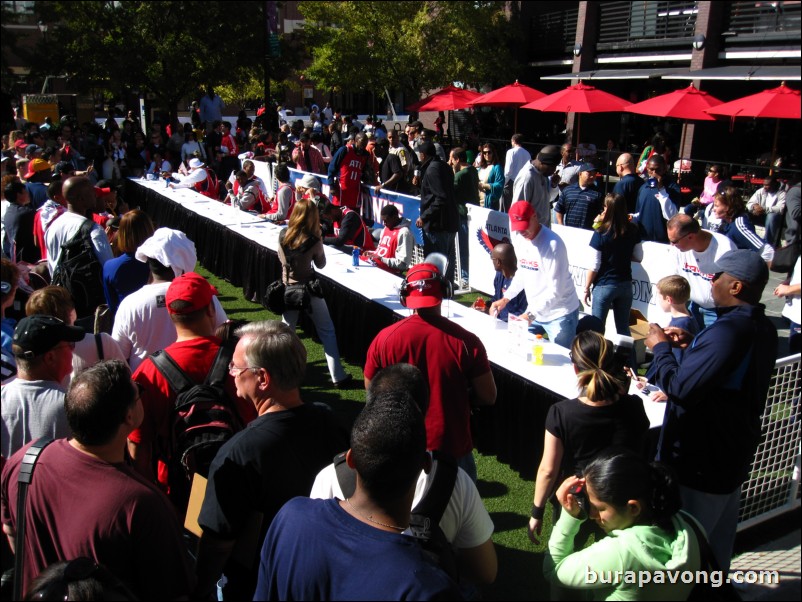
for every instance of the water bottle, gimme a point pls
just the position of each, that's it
(355, 257)
(537, 350)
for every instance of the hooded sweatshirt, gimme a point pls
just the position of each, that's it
(649, 548)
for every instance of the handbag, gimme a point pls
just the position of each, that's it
(296, 296)
(785, 258)
(274, 297)
(704, 589)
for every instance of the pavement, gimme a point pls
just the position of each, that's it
(781, 555)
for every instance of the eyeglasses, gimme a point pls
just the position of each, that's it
(487, 152)
(717, 275)
(235, 372)
(674, 242)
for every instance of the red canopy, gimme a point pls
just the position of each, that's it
(579, 98)
(781, 102)
(449, 98)
(513, 95)
(688, 103)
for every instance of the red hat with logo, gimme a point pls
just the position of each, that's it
(520, 214)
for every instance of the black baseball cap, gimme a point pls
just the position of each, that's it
(35, 335)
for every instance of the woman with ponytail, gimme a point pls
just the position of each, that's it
(578, 429)
(651, 551)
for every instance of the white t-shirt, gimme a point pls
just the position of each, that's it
(85, 354)
(793, 304)
(465, 522)
(698, 268)
(64, 228)
(143, 326)
(31, 409)
(543, 272)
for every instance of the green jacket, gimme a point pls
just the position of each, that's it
(599, 568)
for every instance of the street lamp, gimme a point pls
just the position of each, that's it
(43, 28)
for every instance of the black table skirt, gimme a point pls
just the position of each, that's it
(512, 429)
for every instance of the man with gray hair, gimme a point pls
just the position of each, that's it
(273, 460)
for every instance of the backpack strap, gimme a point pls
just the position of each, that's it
(176, 377)
(429, 510)
(24, 479)
(346, 476)
(219, 370)
(99, 345)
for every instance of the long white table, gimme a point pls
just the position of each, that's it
(521, 383)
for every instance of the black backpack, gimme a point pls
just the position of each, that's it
(424, 522)
(80, 272)
(203, 417)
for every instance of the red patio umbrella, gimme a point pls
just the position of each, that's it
(449, 98)
(513, 95)
(781, 103)
(579, 98)
(688, 103)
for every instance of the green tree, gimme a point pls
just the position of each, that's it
(415, 46)
(171, 49)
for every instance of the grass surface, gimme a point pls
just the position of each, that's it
(506, 495)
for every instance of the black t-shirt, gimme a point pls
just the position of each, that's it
(392, 165)
(616, 255)
(587, 430)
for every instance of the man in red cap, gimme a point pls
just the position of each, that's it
(453, 360)
(543, 272)
(190, 302)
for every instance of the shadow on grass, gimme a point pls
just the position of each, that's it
(489, 489)
(509, 521)
(520, 576)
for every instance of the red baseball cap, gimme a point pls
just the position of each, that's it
(423, 286)
(192, 288)
(101, 192)
(20, 144)
(520, 214)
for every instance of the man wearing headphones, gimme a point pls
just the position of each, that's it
(453, 360)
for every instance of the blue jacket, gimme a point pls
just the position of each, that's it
(716, 396)
(651, 220)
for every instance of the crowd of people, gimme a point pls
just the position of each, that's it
(276, 517)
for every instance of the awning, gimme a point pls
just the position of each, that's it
(733, 72)
(745, 72)
(613, 74)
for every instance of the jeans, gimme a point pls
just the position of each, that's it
(441, 242)
(561, 330)
(468, 464)
(619, 298)
(463, 246)
(705, 317)
(773, 223)
(718, 514)
(319, 312)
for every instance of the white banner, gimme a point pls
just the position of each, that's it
(487, 228)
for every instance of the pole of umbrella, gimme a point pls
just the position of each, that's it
(774, 147)
(681, 151)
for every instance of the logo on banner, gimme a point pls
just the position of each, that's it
(694, 270)
(492, 235)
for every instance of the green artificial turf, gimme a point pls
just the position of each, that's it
(506, 495)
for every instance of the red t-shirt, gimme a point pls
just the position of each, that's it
(195, 357)
(450, 357)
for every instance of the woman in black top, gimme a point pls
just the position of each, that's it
(611, 279)
(604, 415)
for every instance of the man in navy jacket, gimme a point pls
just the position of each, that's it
(716, 396)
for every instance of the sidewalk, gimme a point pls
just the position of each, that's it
(781, 555)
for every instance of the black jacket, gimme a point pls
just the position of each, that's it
(438, 206)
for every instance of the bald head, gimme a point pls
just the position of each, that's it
(80, 194)
(625, 164)
(503, 256)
